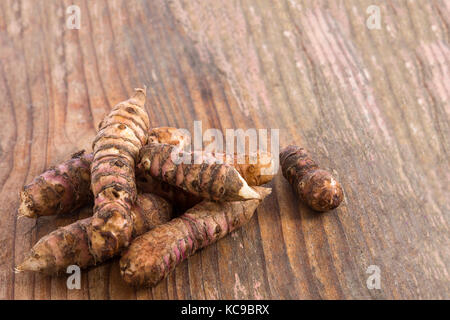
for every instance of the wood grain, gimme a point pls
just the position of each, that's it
(371, 105)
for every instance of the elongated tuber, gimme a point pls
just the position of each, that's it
(253, 174)
(152, 256)
(60, 189)
(69, 245)
(316, 187)
(122, 134)
(207, 180)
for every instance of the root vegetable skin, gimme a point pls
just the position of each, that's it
(256, 169)
(116, 149)
(316, 187)
(152, 256)
(180, 199)
(60, 189)
(208, 180)
(69, 245)
(168, 135)
(72, 179)
(67, 186)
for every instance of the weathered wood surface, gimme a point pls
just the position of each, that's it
(372, 105)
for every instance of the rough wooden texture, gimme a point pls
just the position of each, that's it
(370, 105)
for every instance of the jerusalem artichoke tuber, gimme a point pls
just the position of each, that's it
(253, 174)
(66, 187)
(60, 189)
(152, 256)
(116, 149)
(69, 245)
(316, 187)
(207, 180)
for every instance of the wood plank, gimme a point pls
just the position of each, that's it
(371, 105)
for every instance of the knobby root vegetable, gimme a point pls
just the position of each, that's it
(67, 186)
(256, 169)
(152, 256)
(168, 135)
(316, 187)
(116, 149)
(253, 174)
(60, 189)
(207, 180)
(180, 199)
(69, 245)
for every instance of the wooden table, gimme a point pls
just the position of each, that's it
(371, 104)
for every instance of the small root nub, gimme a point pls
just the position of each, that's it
(17, 270)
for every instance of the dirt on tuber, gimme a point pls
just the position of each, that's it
(152, 256)
(69, 245)
(169, 135)
(315, 187)
(205, 179)
(122, 133)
